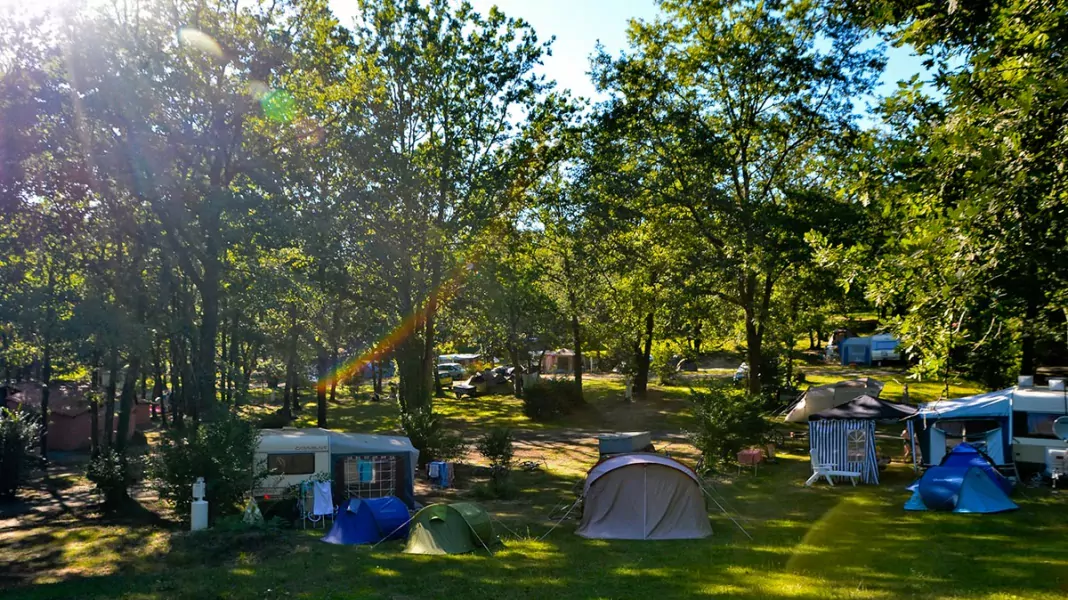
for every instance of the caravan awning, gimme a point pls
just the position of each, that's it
(991, 405)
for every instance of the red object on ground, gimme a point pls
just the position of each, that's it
(750, 457)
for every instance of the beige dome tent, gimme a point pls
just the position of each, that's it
(643, 496)
(823, 397)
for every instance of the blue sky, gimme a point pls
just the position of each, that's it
(579, 24)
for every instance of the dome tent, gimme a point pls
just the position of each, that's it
(450, 529)
(965, 482)
(369, 521)
(643, 496)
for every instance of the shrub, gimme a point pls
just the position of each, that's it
(496, 447)
(19, 431)
(727, 421)
(221, 451)
(428, 435)
(110, 472)
(663, 362)
(550, 398)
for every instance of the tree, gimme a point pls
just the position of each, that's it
(721, 119)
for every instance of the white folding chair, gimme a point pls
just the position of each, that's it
(829, 470)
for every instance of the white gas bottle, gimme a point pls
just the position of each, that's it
(199, 517)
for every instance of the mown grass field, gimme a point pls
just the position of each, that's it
(817, 542)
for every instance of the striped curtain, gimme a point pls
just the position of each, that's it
(829, 442)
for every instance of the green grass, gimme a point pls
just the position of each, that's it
(815, 542)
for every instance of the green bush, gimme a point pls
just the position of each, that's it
(496, 447)
(110, 471)
(727, 421)
(551, 398)
(428, 435)
(220, 451)
(19, 432)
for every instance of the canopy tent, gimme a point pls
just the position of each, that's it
(965, 482)
(844, 436)
(820, 398)
(867, 407)
(991, 407)
(643, 496)
(450, 529)
(369, 521)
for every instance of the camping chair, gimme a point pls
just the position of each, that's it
(315, 503)
(827, 470)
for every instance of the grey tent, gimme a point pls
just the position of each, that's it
(823, 397)
(643, 496)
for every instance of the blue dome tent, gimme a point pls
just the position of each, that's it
(965, 482)
(369, 521)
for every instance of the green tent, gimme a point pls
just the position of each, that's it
(450, 529)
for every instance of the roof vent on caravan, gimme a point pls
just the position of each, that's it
(1025, 381)
(1056, 385)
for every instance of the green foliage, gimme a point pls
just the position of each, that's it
(548, 399)
(221, 451)
(728, 420)
(496, 447)
(110, 471)
(18, 437)
(428, 434)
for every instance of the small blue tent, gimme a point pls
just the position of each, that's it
(855, 350)
(965, 482)
(369, 521)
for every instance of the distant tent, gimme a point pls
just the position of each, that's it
(820, 398)
(643, 496)
(856, 350)
(965, 482)
(450, 529)
(369, 521)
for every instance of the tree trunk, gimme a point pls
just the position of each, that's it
(641, 378)
(126, 401)
(576, 338)
(754, 354)
(109, 398)
(1027, 339)
(320, 388)
(204, 397)
(697, 339)
(176, 383)
(46, 363)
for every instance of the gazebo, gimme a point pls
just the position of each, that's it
(845, 435)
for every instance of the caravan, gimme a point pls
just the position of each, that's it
(1012, 426)
(359, 465)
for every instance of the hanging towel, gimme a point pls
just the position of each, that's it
(323, 501)
(366, 470)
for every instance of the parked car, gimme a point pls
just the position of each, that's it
(455, 370)
(491, 381)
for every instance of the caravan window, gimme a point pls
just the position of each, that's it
(291, 464)
(1038, 425)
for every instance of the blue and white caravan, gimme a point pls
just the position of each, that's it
(1014, 426)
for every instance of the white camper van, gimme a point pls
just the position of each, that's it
(359, 465)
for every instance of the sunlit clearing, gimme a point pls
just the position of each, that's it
(279, 106)
(196, 38)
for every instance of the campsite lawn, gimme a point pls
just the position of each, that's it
(818, 542)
